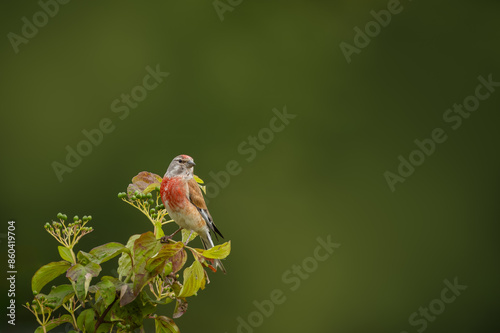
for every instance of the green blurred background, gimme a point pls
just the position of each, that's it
(322, 175)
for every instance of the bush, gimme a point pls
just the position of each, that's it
(148, 272)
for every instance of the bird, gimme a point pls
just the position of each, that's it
(183, 200)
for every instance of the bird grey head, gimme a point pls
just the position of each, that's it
(181, 165)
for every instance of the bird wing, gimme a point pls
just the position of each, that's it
(196, 198)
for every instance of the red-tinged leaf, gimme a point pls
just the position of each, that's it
(125, 262)
(126, 295)
(105, 294)
(181, 306)
(169, 250)
(145, 182)
(172, 253)
(165, 325)
(145, 247)
(144, 178)
(131, 189)
(81, 276)
(178, 261)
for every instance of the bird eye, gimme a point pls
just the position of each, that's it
(179, 160)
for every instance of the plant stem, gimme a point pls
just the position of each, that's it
(73, 255)
(71, 309)
(101, 318)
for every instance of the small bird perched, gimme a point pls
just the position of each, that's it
(184, 202)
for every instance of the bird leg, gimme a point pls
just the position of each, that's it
(189, 237)
(165, 239)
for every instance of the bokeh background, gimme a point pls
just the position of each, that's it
(322, 175)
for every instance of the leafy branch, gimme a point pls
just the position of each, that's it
(148, 272)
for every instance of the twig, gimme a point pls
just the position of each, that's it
(101, 318)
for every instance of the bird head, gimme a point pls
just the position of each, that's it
(181, 165)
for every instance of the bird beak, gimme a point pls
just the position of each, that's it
(191, 164)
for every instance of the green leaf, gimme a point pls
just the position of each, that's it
(148, 297)
(86, 320)
(151, 187)
(107, 251)
(200, 183)
(132, 314)
(165, 325)
(194, 277)
(176, 287)
(59, 295)
(167, 269)
(185, 235)
(105, 294)
(65, 253)
(141, 279)
(84, 258)
(104, 328)
(53, 323)
(217, 252)
(117, 283)
(148, 307)
(48, 273)
(198, 179)
(81, 276)
(125, 262)
(204, 281)
(158, 229)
